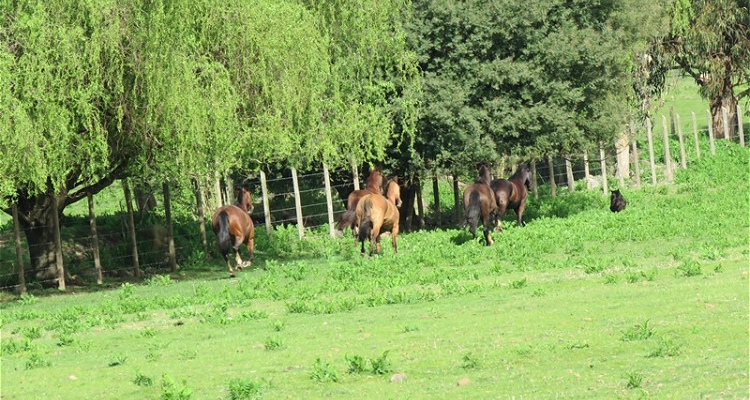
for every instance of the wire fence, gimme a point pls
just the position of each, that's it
(145, 248)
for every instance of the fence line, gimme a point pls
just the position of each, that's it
(132, 249)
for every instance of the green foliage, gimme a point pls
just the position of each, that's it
(323, 372)
(244, 389)
(635, 379)
(357, 364)
(470, 361)
(689, 268)
(637, 332)
(35, 360)
(273, 343)
(143, 380)
(381, 365)
(171, 390)
(667, 346)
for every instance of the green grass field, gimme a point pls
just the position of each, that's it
(651, 302)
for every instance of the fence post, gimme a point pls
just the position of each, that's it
(355, 176)
(533, 178)
(695, 134)
(667, 155)
(740, 128)
(131, 228)
(651, 151)
(586, 171)
(94, 240)
(711, 131)
(58, 244)
(456, 202)
(552, 184)
(683, 156)
(636, 163)
(569, 175)
(170, 230)
(329, 200)
(19, 251)
(266, 208)
(298, 204)
(603, 161)
(201, 213)
(725, 121)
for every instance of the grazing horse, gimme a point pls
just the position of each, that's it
(233, 226)
(376, 214)
(479, 201)
(512, 193)
(617, 202)
(373, 185)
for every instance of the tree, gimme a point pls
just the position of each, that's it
(518, 77)
(710, 41)
(95, 91)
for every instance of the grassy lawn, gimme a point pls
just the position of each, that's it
(651, 302)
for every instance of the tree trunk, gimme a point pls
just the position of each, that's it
(406, 212)
(622, 148)
(725, 99)
(36, 220)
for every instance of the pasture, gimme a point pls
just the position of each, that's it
(651, 302)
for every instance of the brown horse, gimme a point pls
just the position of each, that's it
(512, 193)
(376, 214)
(233, 226)
(373, 185)
(479, 201)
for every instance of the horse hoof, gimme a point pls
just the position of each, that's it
(231, 275)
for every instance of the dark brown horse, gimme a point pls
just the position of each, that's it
(512, 193)
(617, 203)
(233, 226)
(373, 185)
(479, 201)
(376, 214)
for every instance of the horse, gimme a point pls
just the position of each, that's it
(617, 202)
(512, 193)
(376, 214)
(372, 186)
(479, 201)
(233, 226)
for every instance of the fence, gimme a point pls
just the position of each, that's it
(115, 245)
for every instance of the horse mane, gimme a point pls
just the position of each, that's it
(484, 175)
(375, 179)
(522, 170)
(241, 197)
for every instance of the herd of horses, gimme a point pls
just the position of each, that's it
(374, 210)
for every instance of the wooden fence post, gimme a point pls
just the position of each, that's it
(170, 229)
(456, 201)
(711, 132)
(58, 244)
(725, 121)
(329, 200)
(298, 204)
(636, 164)
(695, 134)
(436, 197)
(131, 228)
(667, 155)
(19, 250)
(266, 207)
(651, 151)
(683, 156)
(551, 170)
(355, 176)
(534, 179)
(569, 174)
(603, 161)
(586, 171)
(95, 240)
(201, 213)
(740, 128)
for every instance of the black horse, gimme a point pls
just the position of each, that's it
(617, 203)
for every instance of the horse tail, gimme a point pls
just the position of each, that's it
(346, 219)
(364, 230)
(473, 211)
(222, 233)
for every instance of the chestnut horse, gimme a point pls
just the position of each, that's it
(233, 226)
(479, 201)
(372, 186)
(376, 214)
(512, 193)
